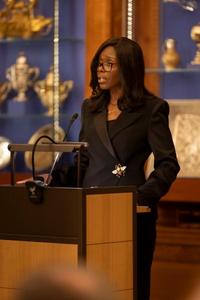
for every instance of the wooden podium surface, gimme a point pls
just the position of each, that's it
(71, 225)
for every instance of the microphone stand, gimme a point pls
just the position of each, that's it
(36, 187)
(48, 180)
(58, 155)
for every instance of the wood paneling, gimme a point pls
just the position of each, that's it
(125, 295)
(19, 258)
(103, 20)
(184, 190)
(5, 177)
(108, 208)
(116, 17)
(98, 28)
(178, 245)
(109, 238)
(114, 260)
(177, 257)
(8, 294)
(172, 280)
(148, 36)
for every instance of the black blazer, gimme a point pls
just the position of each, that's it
(137, 133)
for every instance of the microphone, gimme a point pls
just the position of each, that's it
(73, 118)
(35, 188)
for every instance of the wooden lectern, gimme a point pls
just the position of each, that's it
(94, 226)
(70, 226)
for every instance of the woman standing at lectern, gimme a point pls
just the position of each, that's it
(123, 124)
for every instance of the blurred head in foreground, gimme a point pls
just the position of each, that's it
(64, 284)
(194, 293)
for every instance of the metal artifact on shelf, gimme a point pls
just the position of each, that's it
(45, 90)
(170, 57)
(43, 160)
(189, 5)
(195, 36)
(4, 152)
(21, 76)
(18, 20)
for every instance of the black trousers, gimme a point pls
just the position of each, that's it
(146, 236)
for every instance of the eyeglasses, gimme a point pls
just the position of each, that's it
(106, 66)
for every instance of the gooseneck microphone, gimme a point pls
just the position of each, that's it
(73, 118)
(36, 187)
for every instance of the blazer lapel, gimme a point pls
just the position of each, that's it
(101, 128)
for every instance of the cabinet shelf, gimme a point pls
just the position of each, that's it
(40, 40)
(32, 116)
(174, 71)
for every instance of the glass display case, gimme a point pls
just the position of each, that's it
(178, 76)
(21, 119)
(177, 19)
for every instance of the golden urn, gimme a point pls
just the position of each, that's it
(17, 19)
(21, 76)
(45, 90)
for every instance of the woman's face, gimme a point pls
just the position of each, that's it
(107, 70)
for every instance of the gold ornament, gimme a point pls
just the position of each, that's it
(17, 19)
(21, 76)
(45, 90)
(170, 57)
(195, 36)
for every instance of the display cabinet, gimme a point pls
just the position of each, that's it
(160, 21)
(177, 74)
(176, 22)
(19, 120)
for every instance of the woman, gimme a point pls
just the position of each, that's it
(123, 124)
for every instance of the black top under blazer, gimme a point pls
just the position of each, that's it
(136, 134)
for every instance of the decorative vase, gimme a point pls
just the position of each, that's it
(170, 57)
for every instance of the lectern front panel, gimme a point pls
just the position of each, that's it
(20, 258)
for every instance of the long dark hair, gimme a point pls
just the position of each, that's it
(131, 67)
